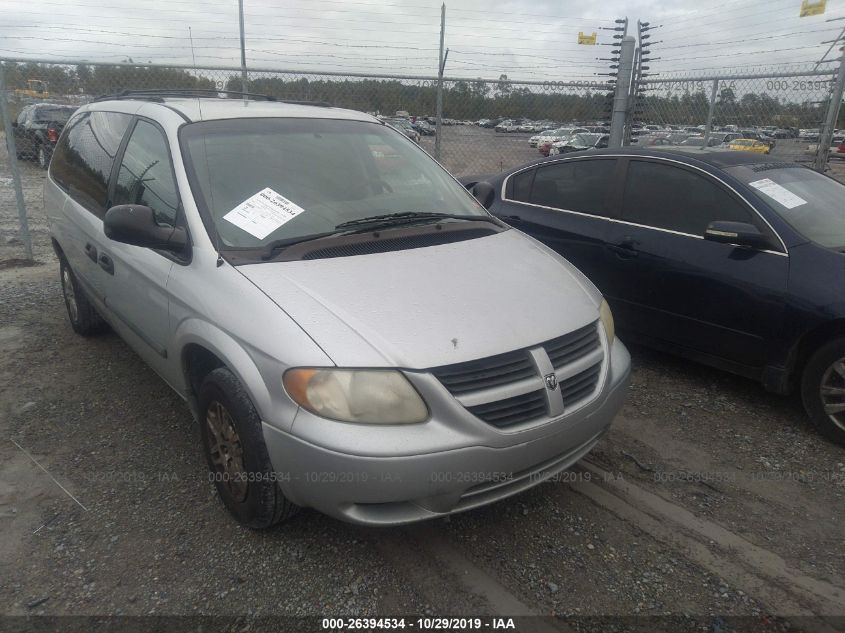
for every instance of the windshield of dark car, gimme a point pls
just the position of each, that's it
(59, 115)
(332, 171)
(810, 202)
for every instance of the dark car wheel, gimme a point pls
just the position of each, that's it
(237, 456)
(83, 316)
(823, 389)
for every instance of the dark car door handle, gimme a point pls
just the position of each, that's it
(106, 263)
(91, 251)
(626, 249)
(511, 218)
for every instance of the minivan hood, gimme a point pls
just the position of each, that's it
(432, 306)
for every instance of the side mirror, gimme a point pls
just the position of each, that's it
(135, 224)
(484, 193)
(737, 233)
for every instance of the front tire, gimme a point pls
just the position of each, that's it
(823, 389)
(83, 317)
(237, 456)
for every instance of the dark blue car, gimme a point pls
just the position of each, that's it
(732, 259)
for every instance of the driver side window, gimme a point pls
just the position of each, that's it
(675, 199)
(146, 174)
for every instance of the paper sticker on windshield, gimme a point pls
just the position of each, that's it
(777, 193)
(263, 213)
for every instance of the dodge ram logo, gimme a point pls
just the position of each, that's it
(551, 381)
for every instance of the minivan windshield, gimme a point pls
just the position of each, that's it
(332, 171)
(810, 202)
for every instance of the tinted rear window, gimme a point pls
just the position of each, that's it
(84, 157)
(58, 115)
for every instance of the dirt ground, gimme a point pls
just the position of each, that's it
(710, 506)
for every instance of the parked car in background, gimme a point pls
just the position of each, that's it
(315, 331)
(749, 145)
(424, 128)
(545, 140)
(502, 126)
(579, 143)
(37, 129)
(733, 259)
(405, 127)
(759, 136)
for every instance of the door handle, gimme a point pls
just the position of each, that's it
(511, 218)
(91, 251)
(106, 263)
(626, 249)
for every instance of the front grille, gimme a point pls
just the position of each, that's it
(486, 387)
(580, 385)
(510, 411)
(492, 371)
(570, 347)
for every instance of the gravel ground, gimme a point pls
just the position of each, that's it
(709, 500)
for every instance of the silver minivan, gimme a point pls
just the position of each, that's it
(350, 327)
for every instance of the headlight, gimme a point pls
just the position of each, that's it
(607, 321)
(351, 395)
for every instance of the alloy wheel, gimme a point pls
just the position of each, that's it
(832, 392)
(70, 295)
(226, 450)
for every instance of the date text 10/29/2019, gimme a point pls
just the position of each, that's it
(432, 623)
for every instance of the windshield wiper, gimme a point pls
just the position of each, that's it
(276, 245)
(394, 219)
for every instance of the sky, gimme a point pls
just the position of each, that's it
(524, 39)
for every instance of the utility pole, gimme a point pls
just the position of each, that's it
(826, 136)
(13, 167)
(623, 85)
(243, 49)
(191, 37)
(440, 68)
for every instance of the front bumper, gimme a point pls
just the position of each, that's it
(419, 479)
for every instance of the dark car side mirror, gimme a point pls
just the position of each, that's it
(135, 224)
(738, 233)
(484, 193)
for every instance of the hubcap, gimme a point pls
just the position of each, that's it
(70, 295)
(832, 392)
(226, 450)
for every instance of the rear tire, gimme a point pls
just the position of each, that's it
(823, 389)
(237, 456)
(83, 317)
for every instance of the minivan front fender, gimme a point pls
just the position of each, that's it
(201, 342)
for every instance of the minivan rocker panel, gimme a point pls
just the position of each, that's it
(434, 306)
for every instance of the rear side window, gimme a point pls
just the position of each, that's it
(146, 174)
(668, 197)
(522, 185)
(84, 157)
(575, 185)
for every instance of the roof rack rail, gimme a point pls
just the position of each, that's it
(154, 94)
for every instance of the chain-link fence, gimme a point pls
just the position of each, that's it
(487, 125)
(780, 114)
